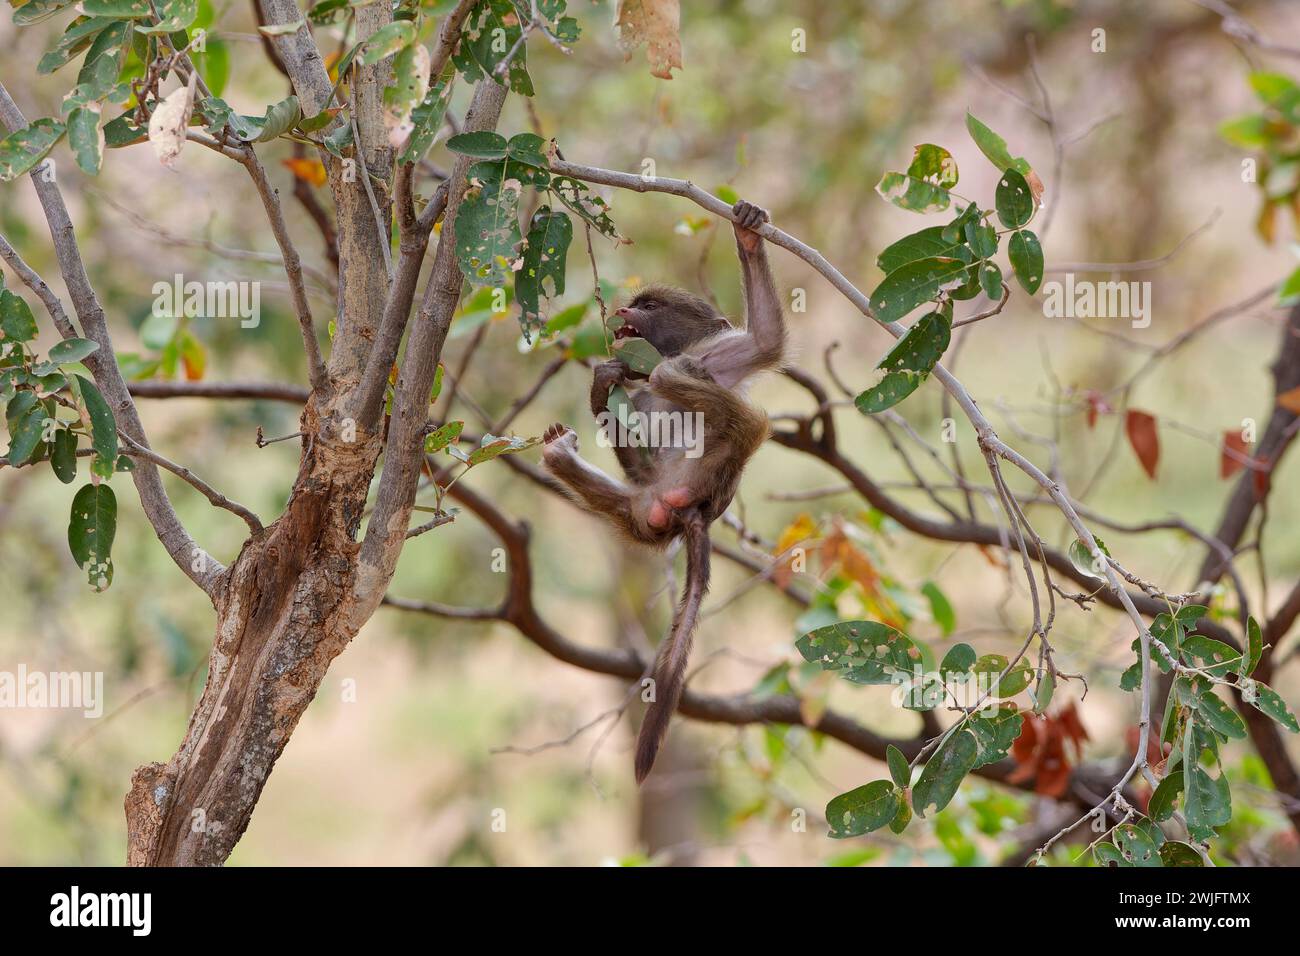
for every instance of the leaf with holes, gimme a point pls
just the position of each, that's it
(996, 731)
(1165, 798)
(426, 120)
(1266, 700)
(545, 255)
(1137, 848)
(487, 232)
(86, 139)
(862, 652)
(862, 810)
(908, 364)
(944, 773)
(63, 456)
(914, 284)
(24, 148)
(487, 37)
(443, 436)
(91, 529)
(1026, 255)
(1013, 200)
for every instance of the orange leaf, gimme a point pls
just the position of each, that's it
(308, 170)
(1142, 436)
(1290, 400)
(802, 529)
(1233, 446)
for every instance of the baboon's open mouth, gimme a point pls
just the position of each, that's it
(626, 332)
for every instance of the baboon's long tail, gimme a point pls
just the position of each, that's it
(670, 666)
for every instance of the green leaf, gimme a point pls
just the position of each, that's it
(944, 772)
(493, 446)
(427, 120)
(487, 37)
(898, 766)
(913, 284)
(117, 9)
(37, 10)
(173, 15)
(940, 608)
(123, 132)
(443, 436)
(63, 456)
(862, 652)
(590, 207)
(1017, 679)
(1266, 700)
(1207, 802)
(85, 138)
(103, 428)
(907, 364)
(995, 731)
(279, 119)
(527, 148)
(1136, 846)
(1216, 657)
(934, 164)
(1013, 200)
(637, 354)
(991, 280)
(24, 148)
(75, 39)
(1026, 256)
(959, 660)
(26, 428)
(387, 40)
(926, 244)
(1107, 854)
(914, 195)
(1220, 716)
(71, 350)
(862, 810)
(994, 147)
(545, 255)
(487, 232)
(98, 76)
(483, 144)
(902, 818)
(1043, 696)
(91, 529)
(1254, 648)
(1177, 853)
(16, 319)
(1165, 798)
(409, 86)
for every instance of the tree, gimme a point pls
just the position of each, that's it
(303, 585)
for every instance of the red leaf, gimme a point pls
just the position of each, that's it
(1290, 400)
(1263, 478)
(1141, 429)
(1229, 463)
(1097, 405)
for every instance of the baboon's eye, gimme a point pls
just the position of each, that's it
(649, 305)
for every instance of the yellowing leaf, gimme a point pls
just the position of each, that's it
(656, 23)
(308, 170)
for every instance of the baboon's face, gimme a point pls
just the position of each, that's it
(669, 319)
